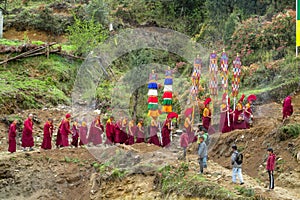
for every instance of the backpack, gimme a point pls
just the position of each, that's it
(207, 141)
(239, 158)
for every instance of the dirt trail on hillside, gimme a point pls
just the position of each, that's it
(71, 174)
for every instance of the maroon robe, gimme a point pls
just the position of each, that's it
(118, 132)
(48, 130)
(96, 130)
(27, 138)
(238, 124)
(123, 136)
(287, 109)
(166, 134)
(58, 136)
(82, 134)
(140, 134)
(12, 134)
(75, 135)
(65, 131)
(153, 136)
(131, 134)
(110, 132)
(224, 128)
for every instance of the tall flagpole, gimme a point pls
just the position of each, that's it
(297, 27)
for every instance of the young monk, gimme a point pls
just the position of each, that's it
(131, 133)
(188, 128)
(12, 134)
(287, 107)
(140, 137)
(96, 131)
(166, 130)
(75, 134)
(48, 131)
(153, 132)
(110, 131)
(83, 133)
(27, 137)
(206, 118)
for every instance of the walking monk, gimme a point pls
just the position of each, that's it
(239, 118)
(110, 131)
(166, 130)
(27, 138)
(225, 126)
(65, 130)
(131, 133)
(96, 131)
(153, 132)
(83, 133)
(188, 128)
(140, 135)
(75, 134)
(12, 133)
(206, 118)
(287, 107)
(48, 131)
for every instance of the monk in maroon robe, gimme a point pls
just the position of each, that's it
(75, 134)
(12, 134)
(58, 142)
(83, 130)
(118, 133)
(287, 107)
(238, 117)
(153, 132)
(48, 131)
(27, 137)
(166, 130)
(131, 133)
(140, 134)
(96, 131)
(110, 131)
(123, 135)
(65, 130)
(225, 125)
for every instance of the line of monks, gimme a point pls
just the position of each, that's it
(125, 132)
(122, 132)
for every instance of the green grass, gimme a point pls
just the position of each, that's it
(37, 82)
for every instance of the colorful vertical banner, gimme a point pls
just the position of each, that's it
(236, 78)
(152, 95)
(297, 23)
(167, 96)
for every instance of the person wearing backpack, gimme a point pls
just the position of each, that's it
(236, 162)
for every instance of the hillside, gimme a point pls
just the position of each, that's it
(92, 67)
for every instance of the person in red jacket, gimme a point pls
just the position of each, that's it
(270, 167)
(27, 137)
(12, 133)
(48, 131)
(65, 130)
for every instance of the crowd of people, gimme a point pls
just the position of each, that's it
(126, 132)
(123, 132)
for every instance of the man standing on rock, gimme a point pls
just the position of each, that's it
(270, 167)
(202, 152)
(236, 162)
(27, 138)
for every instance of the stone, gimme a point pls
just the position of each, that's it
(298, 156)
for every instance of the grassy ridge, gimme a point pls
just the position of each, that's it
(36, 82)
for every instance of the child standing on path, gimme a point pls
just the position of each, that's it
(270, 167)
